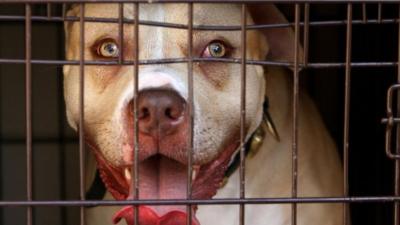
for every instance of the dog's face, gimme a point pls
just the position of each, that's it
(163, 116)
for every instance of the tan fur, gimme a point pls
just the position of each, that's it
(268, 174)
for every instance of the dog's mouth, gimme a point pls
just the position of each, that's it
(161, 177)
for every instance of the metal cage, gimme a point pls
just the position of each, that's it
(56, 13)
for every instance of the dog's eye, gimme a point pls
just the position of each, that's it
(108, 49)
(215, 49)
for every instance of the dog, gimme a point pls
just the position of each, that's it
(164, 118)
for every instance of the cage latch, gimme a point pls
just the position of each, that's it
(391, 121)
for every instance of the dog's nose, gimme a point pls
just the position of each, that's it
(160, 112)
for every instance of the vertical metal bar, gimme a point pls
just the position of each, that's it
(2, 180)
(28, 109)
(347, 111)
(191, 114)
(49, 10)
(306, 32)
(61, 132)
(380, 12)
(397, 162)
(243, 112)
(61, 144)
(295, 112)
(81, 111)
(64, 9)
(364, 13)
(135, 111)
(121, 32)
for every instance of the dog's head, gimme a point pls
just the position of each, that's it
(163, 101)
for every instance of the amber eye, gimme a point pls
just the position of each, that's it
(215, 49)
(108, 49)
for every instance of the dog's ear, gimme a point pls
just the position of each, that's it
(280, 40)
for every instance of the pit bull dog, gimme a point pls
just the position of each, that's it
(164, 118)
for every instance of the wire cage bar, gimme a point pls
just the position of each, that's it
(191, 113)
(243, 75)
(202, 1)
(295, 112)
(135, 111)
(81, 111)
(347, 111)
(28, 92)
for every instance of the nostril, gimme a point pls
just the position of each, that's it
(143, 113)
(173, 113)
(168, 113)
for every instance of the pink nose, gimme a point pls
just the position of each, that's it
(160, 112)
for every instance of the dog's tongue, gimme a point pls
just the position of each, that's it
(159, 178)
(162, 178)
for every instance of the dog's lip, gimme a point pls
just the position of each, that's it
(207, 178)
(200, 175)
(204, 186)
(127, 172)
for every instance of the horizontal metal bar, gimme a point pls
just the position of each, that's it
(17, 18)
(198, 1)
(386, 120)
(93, 62)
(39, 141)
(227, 201)
(185, 60)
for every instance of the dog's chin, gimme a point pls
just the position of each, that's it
(162, 177)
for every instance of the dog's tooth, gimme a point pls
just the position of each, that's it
(194, 173)
(128, 174)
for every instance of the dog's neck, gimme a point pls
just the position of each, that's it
(277, 156)
(279, 95)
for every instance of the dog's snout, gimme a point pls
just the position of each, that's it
(160, 112)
